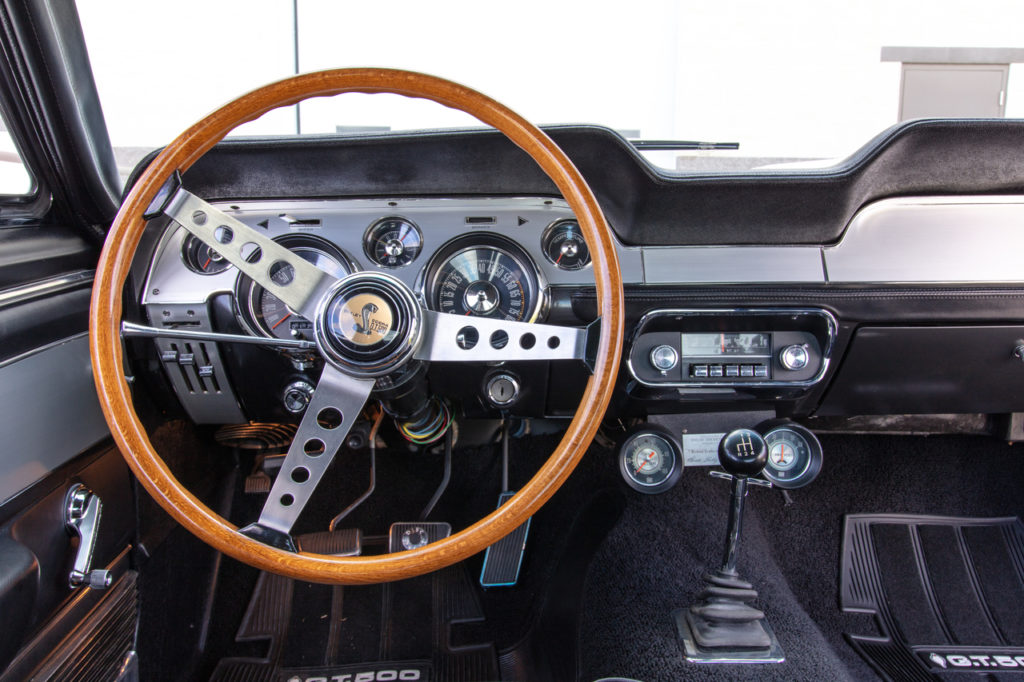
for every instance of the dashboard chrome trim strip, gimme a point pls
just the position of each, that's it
(46, 287)
(832, 326)
(919, 240)
(732, 264)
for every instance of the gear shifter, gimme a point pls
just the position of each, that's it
(723, 627)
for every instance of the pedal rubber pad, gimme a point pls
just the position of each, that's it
(504, 558)
(412, 535)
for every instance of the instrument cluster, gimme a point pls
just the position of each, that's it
(474, 257)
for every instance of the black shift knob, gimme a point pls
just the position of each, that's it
(743, 453)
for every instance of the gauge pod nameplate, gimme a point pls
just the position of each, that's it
(794, 454)
(650, 461)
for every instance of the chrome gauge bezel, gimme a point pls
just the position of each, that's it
(428, 285)
(673, 449)
(245, 289)
(368, 242)
(809, 470)
(546, 237)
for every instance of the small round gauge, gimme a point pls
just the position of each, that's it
(393, 242)
(564, 246)
(794, 454)
(266, 314)
(649, 460)
(200, 258)
(485, 280)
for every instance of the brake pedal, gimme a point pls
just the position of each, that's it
(504, 558)
(405, 535)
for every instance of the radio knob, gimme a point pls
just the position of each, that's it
(664, 358)
(794, 357)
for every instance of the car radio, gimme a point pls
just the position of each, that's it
(769, 347)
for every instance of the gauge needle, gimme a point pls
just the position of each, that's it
(559, 257)
(782, 455)
(644, 463)
(280, 321)
(209, 259)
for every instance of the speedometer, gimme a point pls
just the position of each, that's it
(485, 280)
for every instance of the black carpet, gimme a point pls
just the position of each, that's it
(652, 561)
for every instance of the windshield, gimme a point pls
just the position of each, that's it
(791, 84)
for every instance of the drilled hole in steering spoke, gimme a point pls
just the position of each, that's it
(300, 474)
(554, 342)
(250, 252)
(287, 500)
(329, 418)
(527, 341)
(282, 273)
(224, 234)
(467, 338)
(499, 339)
(314, 447)
(199, 218)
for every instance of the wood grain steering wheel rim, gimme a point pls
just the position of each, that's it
(107, 352)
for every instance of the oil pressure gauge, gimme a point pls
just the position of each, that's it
(649, 460)
(794, 454)
(564, 245)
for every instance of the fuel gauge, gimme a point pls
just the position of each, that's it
(200, 258)
(564, 245)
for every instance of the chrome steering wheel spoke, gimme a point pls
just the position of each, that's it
(292, 279)
(457, 338)
(333, 409)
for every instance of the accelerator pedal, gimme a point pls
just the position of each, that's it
(504, 558)
(412, 535)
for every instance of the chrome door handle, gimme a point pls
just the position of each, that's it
(82, 511)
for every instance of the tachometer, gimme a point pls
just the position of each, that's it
(266, 314)
(485, 280)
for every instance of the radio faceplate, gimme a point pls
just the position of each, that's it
(732, 347)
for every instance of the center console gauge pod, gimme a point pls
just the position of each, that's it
(794, 454)
(649, 460)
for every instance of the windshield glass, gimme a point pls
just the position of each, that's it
(795, 84)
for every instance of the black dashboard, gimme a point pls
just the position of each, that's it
(887, 284)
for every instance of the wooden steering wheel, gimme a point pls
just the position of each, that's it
(358, 346)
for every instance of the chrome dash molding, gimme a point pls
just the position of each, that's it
(45, 287)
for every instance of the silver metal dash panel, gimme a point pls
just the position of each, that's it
(49, 413)
(732, 264)
(952, 239)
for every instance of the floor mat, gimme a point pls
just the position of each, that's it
(312, 631)
(946, 593)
